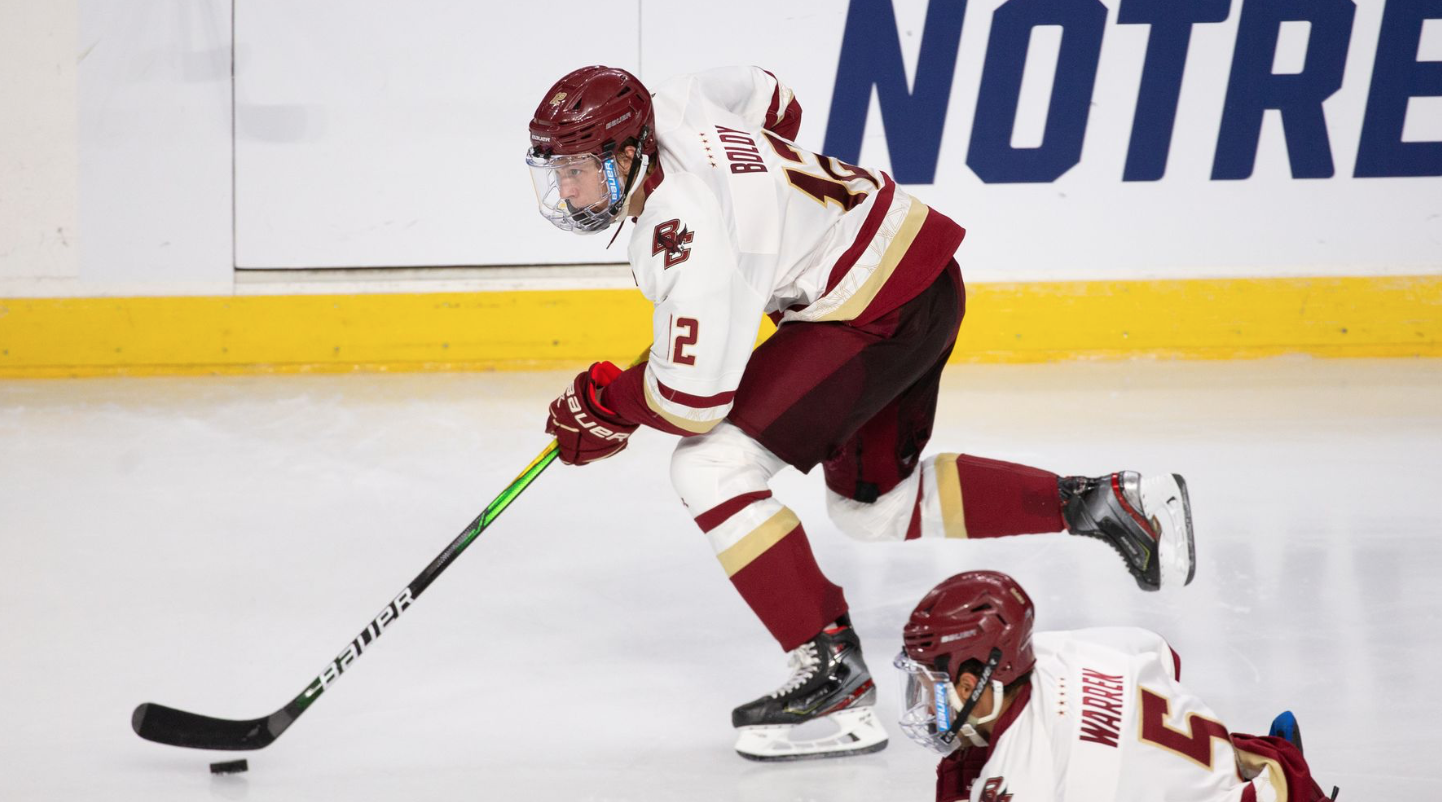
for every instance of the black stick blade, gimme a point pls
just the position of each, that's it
(166, 725)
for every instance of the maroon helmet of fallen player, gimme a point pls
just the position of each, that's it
(967, 616)
(980, 616)
(578, 131)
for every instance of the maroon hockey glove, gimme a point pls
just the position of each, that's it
(585, 430)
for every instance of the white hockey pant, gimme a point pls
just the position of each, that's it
(725, 464)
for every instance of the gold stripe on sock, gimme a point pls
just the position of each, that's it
(757, 541)
(948, 495)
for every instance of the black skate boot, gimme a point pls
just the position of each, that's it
(1147, 520)
(824, 710)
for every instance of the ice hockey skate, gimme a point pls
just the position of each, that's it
(1148, 520)
(824, 710)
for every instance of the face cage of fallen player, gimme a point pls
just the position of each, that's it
(928, 702)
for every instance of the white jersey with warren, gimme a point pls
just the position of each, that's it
(744, 223)
(1108, 721)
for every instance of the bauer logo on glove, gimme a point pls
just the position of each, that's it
(585, 430)
(582, 420)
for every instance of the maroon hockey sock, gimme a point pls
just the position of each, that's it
(786, 589)
(1004, 498)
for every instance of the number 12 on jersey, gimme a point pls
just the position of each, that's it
(689, 329)
(845, 185)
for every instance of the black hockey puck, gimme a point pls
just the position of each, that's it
(229, 767)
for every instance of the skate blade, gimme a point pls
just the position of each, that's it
(856, 731)
(1165, 500)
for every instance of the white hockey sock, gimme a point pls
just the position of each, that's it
(889, 517)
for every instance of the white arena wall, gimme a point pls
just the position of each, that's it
(161, 148)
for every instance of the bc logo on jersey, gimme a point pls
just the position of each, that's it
(672, 238)
(995, 790)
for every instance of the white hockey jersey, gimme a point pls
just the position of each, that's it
(1106, 719)
(740, 222)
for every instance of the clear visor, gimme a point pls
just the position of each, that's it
(928, 703)
(579, 193)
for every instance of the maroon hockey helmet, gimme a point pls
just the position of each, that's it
(967, 616)
(576, 137)
(593, 110)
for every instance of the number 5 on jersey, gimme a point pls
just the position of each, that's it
(1193, 743)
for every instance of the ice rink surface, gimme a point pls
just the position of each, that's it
(211, 543)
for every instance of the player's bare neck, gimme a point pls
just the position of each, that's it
(637, 203)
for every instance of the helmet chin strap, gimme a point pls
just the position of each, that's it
(962, 723)
(969, 728)
(639, 165)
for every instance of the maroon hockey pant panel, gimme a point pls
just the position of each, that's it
(786, 589)
(885, 450)
(813, 386)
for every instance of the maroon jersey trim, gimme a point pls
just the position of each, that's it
(787, 122)
(627, 396)
(772, 115)
(695, 401)
(931, 252)
(654, 177)
(880, 207)
(1017, 705)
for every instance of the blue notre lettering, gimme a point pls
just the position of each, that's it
(1397, 76)
(1168, 41)
(871, 56)
(915, 118)
(1254, 88)
(991, 155)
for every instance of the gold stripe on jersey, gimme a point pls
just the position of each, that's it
(1255, 763)
(895, 250)
(757, 541)
(948, 496)
(693, 426)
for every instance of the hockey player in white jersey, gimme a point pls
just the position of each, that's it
(1093, 715)
(734, 221)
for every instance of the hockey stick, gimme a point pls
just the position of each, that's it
(167, 725)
